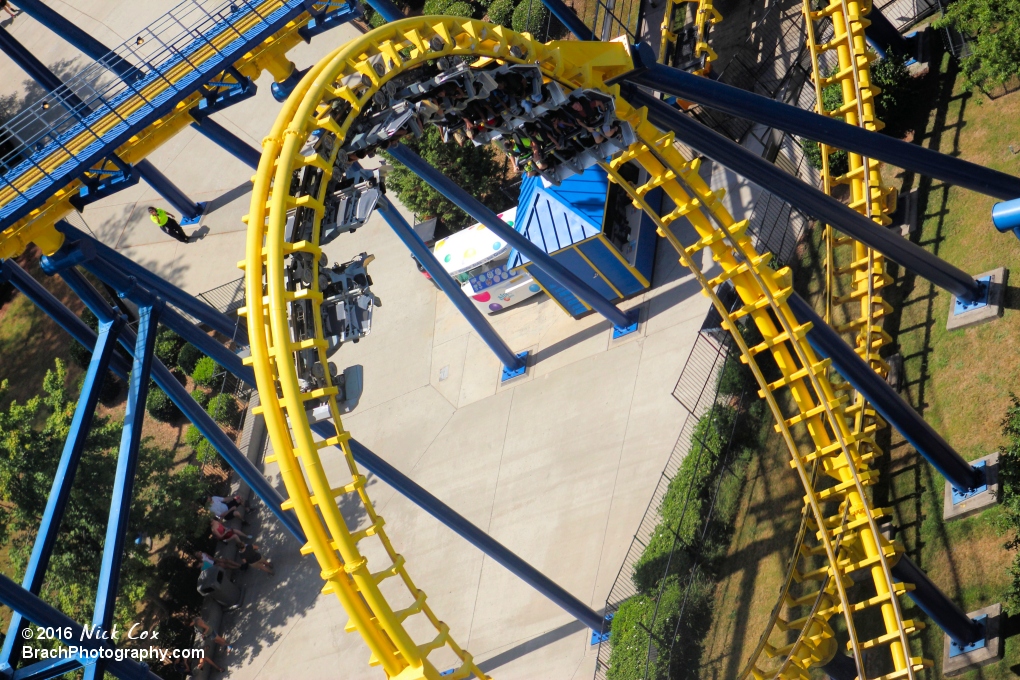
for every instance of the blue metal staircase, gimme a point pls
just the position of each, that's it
(192, 48)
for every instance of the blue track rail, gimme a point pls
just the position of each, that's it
(48, 127)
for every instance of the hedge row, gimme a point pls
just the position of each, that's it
(676, 567)
(1009, 478)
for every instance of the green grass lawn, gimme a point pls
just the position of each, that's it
(961, 380)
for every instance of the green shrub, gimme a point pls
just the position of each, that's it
(839, 162)
(204, 451)
(205, 373)
(193, 436)
(530, 17)
(894, 105)
(638, 616)
(453, 8)
(168, 346)
(200, 396)
(159, 405)
(223, 409)
(676, 541)
(188, 357)
(1009, 477)
(502, 12)
(736, 378)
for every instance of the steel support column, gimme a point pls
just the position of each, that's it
(124, 479)
(28, 63)
(569, 19)
(244, 468)
(446, 283)
(173, 295)
(226, 140)
(386, 9)
(54, 309)
(962, 629)
(806, 198)
(32, 608)
(886, 401)
(190, 211)
(736, 102)
(468, 531)
(483, 214)
(79, 38)
(63, 478)
(884, 33)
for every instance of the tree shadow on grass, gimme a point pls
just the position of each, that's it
(907, 482)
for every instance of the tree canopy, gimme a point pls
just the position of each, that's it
(165, 503)
(472, 167)
(992, 30)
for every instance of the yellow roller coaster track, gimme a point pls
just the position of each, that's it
(37, 226)
(854, 273)
(835, 469)
(705, 16)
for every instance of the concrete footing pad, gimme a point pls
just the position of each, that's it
(972, 505)
(987, 312)
(905, 217)
(990, 652)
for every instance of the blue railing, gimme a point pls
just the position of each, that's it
(47, 127)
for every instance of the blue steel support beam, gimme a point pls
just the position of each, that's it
(32, 608)
(244, 468)
(468, 531)
(173, 295)
(63, 478)
(884, 34)
(806, 198)
(54, 309)
(483, 214)
(67, 30)
(743, 104)
(66, 319)
(386, 9)
(190, 211)
(570, 19)
(36, 70)
(840, 667)
(887, 402)
(452, 289)
(124, 479)
(962, 629)
(44, 670)
(226, 140)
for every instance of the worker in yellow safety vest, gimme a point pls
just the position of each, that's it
(168, 223)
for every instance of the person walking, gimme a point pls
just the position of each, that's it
(9, 8)
(166, 221)
(208, 634)
(251, 557)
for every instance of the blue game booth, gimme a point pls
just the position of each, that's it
(592, 228)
